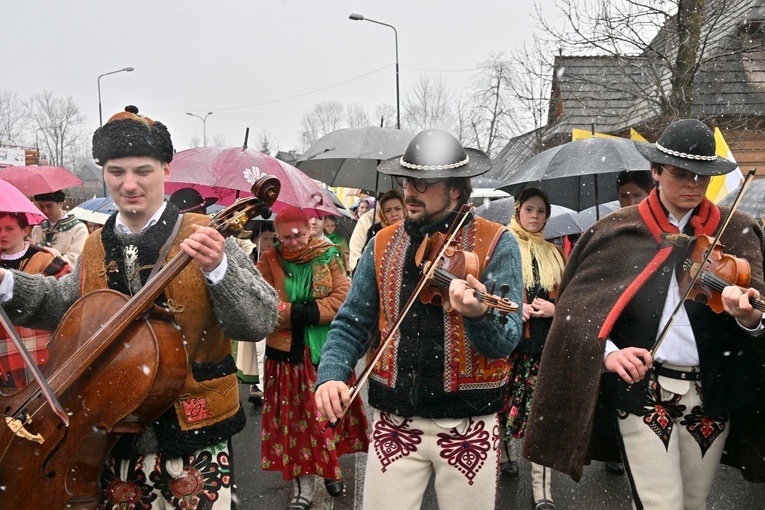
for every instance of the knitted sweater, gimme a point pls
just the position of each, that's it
(244, 306)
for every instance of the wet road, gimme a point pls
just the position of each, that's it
(598, 489)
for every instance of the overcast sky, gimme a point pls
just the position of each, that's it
(257, 64)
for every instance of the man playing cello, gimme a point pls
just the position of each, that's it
(607, 390)
(182, 458)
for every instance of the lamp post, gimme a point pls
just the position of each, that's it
(100, 118)
(204, 126)
(360, 17)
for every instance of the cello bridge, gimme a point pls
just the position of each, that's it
(17, 427)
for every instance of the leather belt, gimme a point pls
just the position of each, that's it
(660, 369)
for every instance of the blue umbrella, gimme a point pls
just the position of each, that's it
(95, 210)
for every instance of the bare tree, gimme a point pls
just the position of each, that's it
(385, 116)
(58, 120)
(491, 105)
(428, 105)
(324, 118)
(670, 40)
(12, 118)
(356, 116)
(530, 84)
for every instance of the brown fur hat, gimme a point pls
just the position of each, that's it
(129, 134)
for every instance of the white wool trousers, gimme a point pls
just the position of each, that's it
(463, 453)
(671, 454)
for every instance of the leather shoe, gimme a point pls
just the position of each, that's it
(544, 504)
(615, 467)
(335, 488)
(509, 469)
(256, 396)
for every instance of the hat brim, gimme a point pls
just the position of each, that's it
(718, 166)
(478, 163)
(210, 201)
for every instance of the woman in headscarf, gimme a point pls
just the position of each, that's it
(336, 238)
(542, 264)
(310, 279)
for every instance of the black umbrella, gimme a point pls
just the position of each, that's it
(563, 221)
(349, 157)
(578, 174)
(753, 201)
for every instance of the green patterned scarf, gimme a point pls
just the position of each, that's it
(309, 280)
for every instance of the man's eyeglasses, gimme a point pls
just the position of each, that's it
(421, 185)
(685, 176)
(289, 239)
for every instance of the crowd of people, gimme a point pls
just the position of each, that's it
(592, 354)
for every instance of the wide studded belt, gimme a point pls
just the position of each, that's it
(684, 373)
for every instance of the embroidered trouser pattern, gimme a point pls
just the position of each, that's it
(672, 451)
(463, 453)
(201, 481)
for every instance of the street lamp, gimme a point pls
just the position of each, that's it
(100, 118)
(204, 125)
(37, 143)
(360, 17)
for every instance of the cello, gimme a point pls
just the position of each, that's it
(104, 338)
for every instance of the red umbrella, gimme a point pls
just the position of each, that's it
(12, 200)
(229, 172)
(34, 180)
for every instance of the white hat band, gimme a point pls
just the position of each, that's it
(684, 155)
(434, 167)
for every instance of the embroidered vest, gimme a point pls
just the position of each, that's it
(206, 399)
(464, 368)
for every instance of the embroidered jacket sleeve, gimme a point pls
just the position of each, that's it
(71, 252)
(244, 303)
(349, 331)
(489, 336)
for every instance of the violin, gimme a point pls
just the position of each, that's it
(52, 449)
(719, 271)
(442, 261)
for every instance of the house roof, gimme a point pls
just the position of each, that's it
(604, 92)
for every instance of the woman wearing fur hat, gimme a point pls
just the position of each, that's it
(17, 253)
(542, 263)
(607, 390)
(309, 275)
(182, 457)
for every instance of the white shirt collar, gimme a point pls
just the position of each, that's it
(120, 225)
(682, 222)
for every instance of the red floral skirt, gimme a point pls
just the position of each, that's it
(296, 440)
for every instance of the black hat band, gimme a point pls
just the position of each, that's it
(434, 167)
(684, 155)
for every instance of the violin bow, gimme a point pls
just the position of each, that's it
(695, 276)
(32, 366)
(362, 378)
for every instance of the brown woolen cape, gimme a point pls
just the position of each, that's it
(569, 426)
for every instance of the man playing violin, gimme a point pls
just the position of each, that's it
(182, 458)
(616, 383)
(440, 382)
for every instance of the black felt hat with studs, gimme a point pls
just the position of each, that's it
(687, 144)
(436, 154)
